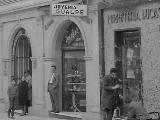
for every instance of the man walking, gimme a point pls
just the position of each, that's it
(53, 90)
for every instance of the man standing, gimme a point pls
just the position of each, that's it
(110, 86)
(28, 79)
(53, 90)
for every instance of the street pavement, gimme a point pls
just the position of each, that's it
(3, 116)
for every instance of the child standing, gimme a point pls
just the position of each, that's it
(12, 94)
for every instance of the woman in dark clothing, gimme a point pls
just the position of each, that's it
(23, 95)
(109, 96)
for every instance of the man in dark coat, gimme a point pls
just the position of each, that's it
(23, 95)
(53, 90)
(109, 95)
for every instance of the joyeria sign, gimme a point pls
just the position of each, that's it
(69, 9)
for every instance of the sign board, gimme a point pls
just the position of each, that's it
(69, 9)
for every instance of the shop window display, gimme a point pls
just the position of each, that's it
(74, 78)
(128, 61)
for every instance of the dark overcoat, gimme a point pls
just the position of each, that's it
(23, 93)
(108, 95)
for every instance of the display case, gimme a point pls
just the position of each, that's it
(76, 87)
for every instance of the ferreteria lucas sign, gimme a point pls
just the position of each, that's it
(134, 15)
(69, 9)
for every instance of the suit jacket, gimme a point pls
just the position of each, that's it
(53, 86)
(108, 95)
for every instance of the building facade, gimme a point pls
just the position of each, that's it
(131, 43)
(33, 39)
(83, 48)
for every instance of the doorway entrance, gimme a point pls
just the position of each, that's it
(73, 70)
(21, 57)
(128, 61)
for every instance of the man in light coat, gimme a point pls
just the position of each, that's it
(53, 90)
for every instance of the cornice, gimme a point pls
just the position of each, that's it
(23, 6)
(49, 59)
(6, 60)
(88, 58)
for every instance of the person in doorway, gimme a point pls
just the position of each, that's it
(28, 79)
(23, 95)
(12, 94)
(110, 96)
(53, 90)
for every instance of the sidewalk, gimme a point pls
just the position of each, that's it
(3, 116)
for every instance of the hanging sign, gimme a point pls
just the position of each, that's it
(69, 9)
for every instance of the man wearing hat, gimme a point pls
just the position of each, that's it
(109, 95)
(53, 89)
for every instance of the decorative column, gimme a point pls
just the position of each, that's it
(37, 66)
(93, 68)
(3, 67)
(5, 81)
(1, 54)
(92, 85)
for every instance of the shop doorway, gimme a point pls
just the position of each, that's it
(73, 70)
(21, 57)
(128, 61)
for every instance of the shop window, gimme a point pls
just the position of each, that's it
(74, 74)
(128, 61)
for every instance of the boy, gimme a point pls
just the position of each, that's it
(12, 94)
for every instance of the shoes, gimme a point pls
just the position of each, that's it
(52, 111)
(26, 113)
(56, 111)
(12, 117)
(8, 115)
(22, 114)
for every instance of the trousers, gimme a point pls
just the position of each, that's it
(54, 100)
(11, 106)
(107, 114)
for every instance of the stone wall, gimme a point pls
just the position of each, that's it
(150, 47)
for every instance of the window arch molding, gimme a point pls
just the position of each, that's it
(17, 37)
(12, 35)
(55, 39)
(21, 54)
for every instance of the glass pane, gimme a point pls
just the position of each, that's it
(128, 61)
(74, 81)
(22, 54)
(133, 71)
(72, 37)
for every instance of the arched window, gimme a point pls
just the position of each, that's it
(72, 38)
(21, 55)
